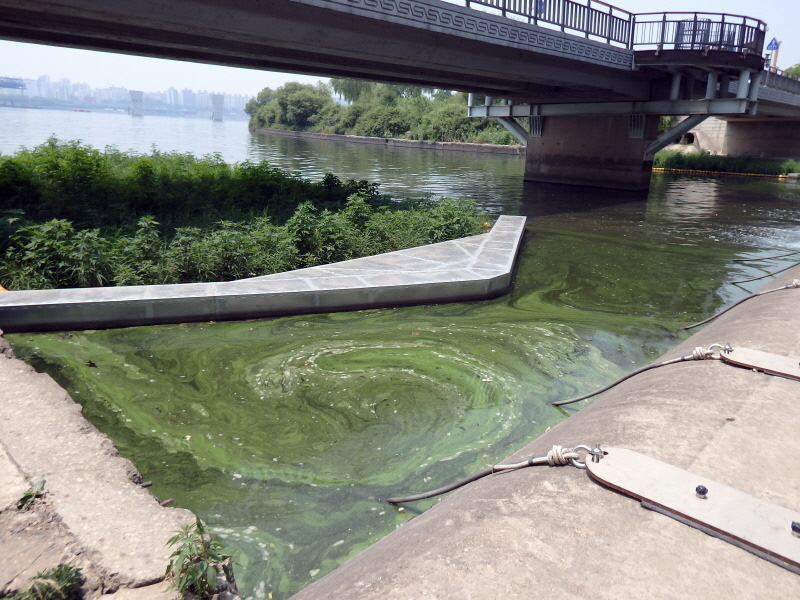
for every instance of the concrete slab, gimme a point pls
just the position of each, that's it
(13, 483)
(552, 532)
(93, 493)
(474, 268)
(159, 591)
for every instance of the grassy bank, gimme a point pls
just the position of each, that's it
(108, 188)
(703, 161)
(73, 216)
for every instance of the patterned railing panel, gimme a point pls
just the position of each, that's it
(587, 17)
(668, 31)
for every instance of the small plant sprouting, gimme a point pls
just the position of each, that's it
(60, 583)
(196, 562)
(32, 496)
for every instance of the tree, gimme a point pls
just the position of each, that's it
(264, 97)
(351, 90)
(793, 70)
(292, 106)
(374, 109)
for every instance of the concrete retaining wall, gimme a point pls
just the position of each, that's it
(95, 515)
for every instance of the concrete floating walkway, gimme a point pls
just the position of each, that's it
(473, 268)
(553, 533)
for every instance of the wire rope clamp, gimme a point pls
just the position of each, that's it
(724, 349)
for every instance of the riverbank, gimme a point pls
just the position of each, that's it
(554, 533)
(397, 142)
(688, 160)
(95, 513)
(722, 173)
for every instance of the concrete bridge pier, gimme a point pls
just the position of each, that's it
(598, 151)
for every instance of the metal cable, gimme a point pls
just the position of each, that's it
(768, 274)
(556, 456)
(766, 257)
(621, 379)
(699, 353)
(795, 284)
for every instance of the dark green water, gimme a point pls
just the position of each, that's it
(281, 433)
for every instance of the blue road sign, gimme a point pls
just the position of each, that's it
(773, 45)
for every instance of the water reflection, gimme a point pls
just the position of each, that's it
(493, 181)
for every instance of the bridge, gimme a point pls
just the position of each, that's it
(581, 82)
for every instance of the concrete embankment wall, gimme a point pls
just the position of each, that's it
(95, 514)
(552, 532)
(397, 143)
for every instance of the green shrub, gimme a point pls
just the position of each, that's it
(174, 218)
(196, 562)
(703, 161)
(89, 188)
(56, 255)
(60, 583)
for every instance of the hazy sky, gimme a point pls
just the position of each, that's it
(101, 69)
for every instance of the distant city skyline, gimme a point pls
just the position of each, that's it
(64, 89)
(106, 70)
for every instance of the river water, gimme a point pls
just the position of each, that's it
(283, 433)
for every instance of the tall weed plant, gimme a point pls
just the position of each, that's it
(55, 254)
(90, 188)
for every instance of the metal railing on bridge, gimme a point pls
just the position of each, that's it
(587, 17)
(698, 31)
(780, 80)
(643, 31)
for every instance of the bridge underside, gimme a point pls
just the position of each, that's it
(341, 39)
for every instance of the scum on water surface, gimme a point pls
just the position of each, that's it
(282, 433)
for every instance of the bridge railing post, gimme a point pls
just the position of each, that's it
(586, 16)
(631, 30)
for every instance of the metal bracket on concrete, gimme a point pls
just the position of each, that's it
(755, 525)
(666, 138)
(636, 127)
(774, 364)
(535, 126)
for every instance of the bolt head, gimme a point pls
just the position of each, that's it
(701, 491)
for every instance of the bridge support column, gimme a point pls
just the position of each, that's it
(598, 151)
